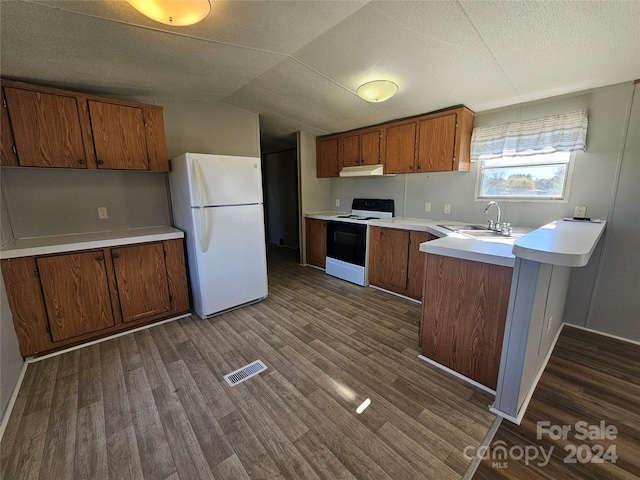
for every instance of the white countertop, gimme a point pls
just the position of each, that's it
(27, 247)
(561, 243)
(558, 243)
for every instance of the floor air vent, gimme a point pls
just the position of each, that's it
(244, 373)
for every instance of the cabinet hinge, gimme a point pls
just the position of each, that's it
(454, 159)
(409, 241)
(170, 299)
(456, 124)
(36, 272)
(4, 103)
(14, 150)
(47, 328)
(164, 252)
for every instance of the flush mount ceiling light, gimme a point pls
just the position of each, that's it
(377, 90)
(177, 13)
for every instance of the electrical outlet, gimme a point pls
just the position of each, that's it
(447, 208)
(102, 213)
(427, 207)
(580, 211)
(337, 202)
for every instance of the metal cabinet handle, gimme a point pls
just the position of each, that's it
(115, 255)
(81, 161)
(100, 162)
(99, 258)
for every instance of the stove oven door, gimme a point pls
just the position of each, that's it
(347, 242)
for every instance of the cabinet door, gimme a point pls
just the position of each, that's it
(436, 144)
(141, 277)
(156, 140)
(119, 136)
(76, 293)
(8, 156)
(393, 257)
(316, 241)
(350, 150)
(416, 263)
(327, 157)
(400, 148)
(370, 147)
(46, 129)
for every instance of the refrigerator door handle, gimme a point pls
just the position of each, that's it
(203, 217)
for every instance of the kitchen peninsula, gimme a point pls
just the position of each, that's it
(542, 261)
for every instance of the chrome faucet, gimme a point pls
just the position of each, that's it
(495, 226)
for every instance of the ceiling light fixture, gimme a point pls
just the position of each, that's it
(177, 13)
(377, 90)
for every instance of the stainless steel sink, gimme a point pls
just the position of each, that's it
(476, 231)
(458, 228)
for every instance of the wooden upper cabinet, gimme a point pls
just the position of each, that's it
(444, 141)
(57, 128)
(436, 144)
(350, 150)
(76, 293)
(327, 163)
(371, 147)
(8, 157)
(141, 277)
(119, 136)
(46, 129)
(400, 150)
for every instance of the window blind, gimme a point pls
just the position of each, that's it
(562, 132)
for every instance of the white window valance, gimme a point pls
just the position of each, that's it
(563, 132)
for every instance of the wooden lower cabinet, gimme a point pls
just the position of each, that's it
(464, 311)
(395, 260)
(60, 300)
(316, 242)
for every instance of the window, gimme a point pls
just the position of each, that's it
(539, 176)
(528, 160)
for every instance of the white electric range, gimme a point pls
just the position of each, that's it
(348, 239)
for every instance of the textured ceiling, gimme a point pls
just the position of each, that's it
(299, 63)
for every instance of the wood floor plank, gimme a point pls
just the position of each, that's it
(231, 469)
(155, 454)
(123, 458)
(155, 370)
(28, 449)
(117, 411)
(202, 419)
(91, 443)
(326, 465)
(188, 458)
(42, 386)
(59, 446)
(255, 459)
(89, 376)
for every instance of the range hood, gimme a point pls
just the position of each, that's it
(362, 171)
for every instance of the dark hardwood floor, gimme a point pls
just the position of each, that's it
(154, 405)
(590, 378)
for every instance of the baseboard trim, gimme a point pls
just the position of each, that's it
(598, 332)
(396, 294)
(456, 374)
(12, 400)
(104, 339)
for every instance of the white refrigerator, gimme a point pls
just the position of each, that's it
(217, 202)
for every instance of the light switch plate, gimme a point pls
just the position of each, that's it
(102, 213)
(447, 208)
(427, 207)
(337, 202)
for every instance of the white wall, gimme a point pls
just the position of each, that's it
(314, 192)
(10, 359)
(593, 184)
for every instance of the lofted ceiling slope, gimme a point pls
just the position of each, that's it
(298, 63)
